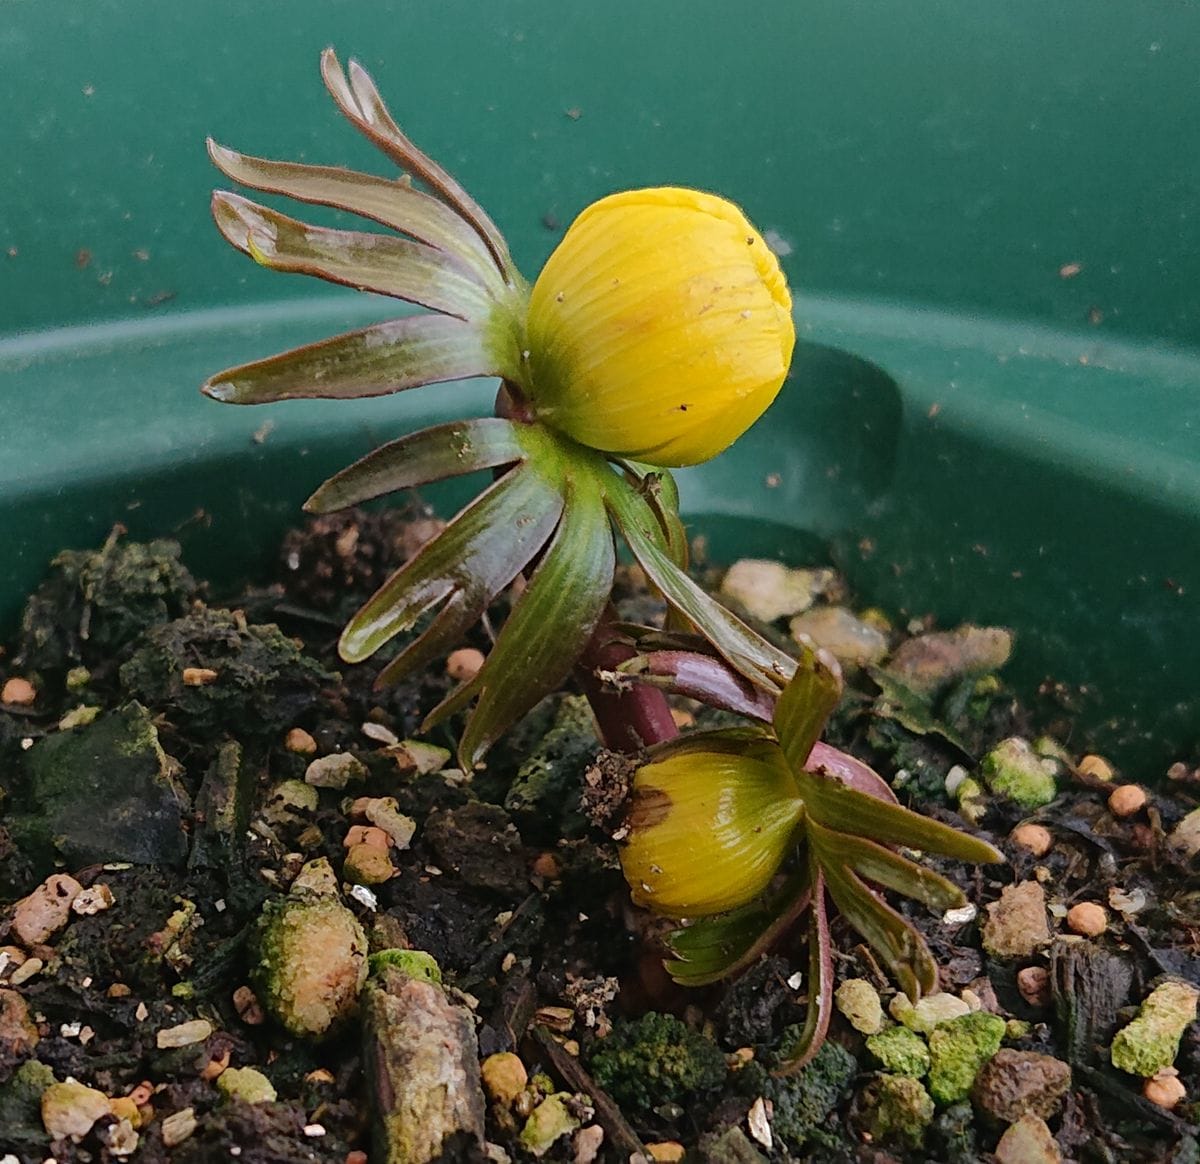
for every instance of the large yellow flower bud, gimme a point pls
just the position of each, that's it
(707, 831)
(660, 328)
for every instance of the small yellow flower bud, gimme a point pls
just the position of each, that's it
(660, 328)
(707, 831)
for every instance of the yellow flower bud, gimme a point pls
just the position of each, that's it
(660, 328)
(707, 831)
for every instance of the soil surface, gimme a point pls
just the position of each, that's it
(173, 760)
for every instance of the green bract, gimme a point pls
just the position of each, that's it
(552, 510)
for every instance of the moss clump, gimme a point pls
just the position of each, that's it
(261, 681)
(311, 958)
(414, 963)
(655, 1060)
(900, 1051)
(1151, 1041)
(94, 603)
(898, 1110)
(958, 1049)
(802, 1103)
(1014, 771)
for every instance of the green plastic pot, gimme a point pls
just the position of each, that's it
(993, 219)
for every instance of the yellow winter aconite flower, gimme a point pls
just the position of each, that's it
(707, 831)
(660, 328)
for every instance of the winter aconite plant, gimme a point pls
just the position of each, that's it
(659, 330)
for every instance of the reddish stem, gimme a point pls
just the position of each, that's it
(633, 716)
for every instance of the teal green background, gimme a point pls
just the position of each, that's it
(966, 431)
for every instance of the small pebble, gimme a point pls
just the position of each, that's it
(184, 1035)
(1126, 799)
(248, 1008)
(178, 1127)
(367, 864)
(26, 971)
(464, 664)
(71, 1108)
(94, 899)
(1164, 1089)
(504, 1077)
(666, 1152)
(335, 771)
(1097, 767)
(199, 676)
(545, 865)
(300, 743)
(366, 835)
(18, 692)
(1035, 838)
(586, 1143)
(1034, 985)
(1088, 919)
(45, 911)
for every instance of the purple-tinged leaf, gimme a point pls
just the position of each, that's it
(383, 263)
(433, 454)
(894, 939)
(746, 651)
(703, 677)
(820, 981)
(388, 201)
(479, 553)
(807, 702)
(826, 760)
(842, 809)
(360, 103)
(549, 626)
(375, 361)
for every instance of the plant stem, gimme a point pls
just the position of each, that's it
(631, 717)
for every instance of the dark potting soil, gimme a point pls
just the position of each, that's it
(157, 748)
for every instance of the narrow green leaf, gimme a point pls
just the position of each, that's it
(479, 553)
(747, 652)
(718, 947)
(820, 981)
(361, 104)
(807, 702)
(377, 360)
(385, 264)
(384, 200)
(896, 941)
(549, 626)
(881, 866)
(433, 454)
(842, 809)
(658, 487)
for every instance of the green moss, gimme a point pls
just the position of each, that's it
(656, 1059)
(1014, 771)
(1151, 1041)
(898, 1110)
(544, 797)
(246, 1085)
(958, 1049)
(802, 1103)
(900, 1051)
(415, 963)
(95, 603)
(263, 679)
